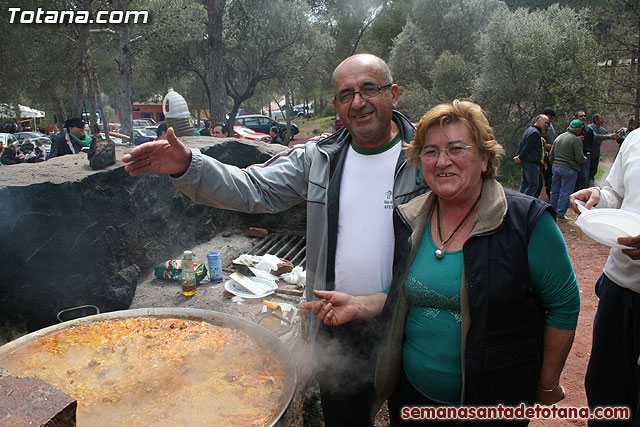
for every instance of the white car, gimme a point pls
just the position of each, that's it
(8, 138)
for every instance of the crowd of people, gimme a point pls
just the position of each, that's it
(429, 283)
(564, 163)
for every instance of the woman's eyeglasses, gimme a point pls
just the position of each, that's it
(453, 151)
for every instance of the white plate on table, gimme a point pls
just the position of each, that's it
(237, 289)
(606, 225)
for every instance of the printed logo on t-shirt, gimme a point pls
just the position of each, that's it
(388, 203)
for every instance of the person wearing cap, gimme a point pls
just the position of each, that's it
(613, 374)
(72, 139)
(566, 157)
(530, 156)
(549, 137)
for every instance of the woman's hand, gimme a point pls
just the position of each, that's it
(546, 397)
(168, 156)
(334, 309)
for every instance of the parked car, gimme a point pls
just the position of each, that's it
(262, 124)
(140, 136)
(7, 138)
(115, 139)
(33, 136)
(337, 123)
(246, 133)
(113, 127)
(141, 123)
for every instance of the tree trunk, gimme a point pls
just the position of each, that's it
(124, 66)
(96, 86)
(79, 70)
(287, 109)
(61, 113)
(215, 71)
(91, 94)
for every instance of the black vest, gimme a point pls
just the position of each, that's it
(503, 349)
(503, 353)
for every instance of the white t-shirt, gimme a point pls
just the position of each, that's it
(364, 250)
(621, 191)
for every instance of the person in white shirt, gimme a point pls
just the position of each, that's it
(613, 374)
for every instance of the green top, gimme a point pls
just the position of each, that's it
(431, 350)
(566, 152)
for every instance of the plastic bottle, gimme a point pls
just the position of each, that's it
(176, 113)
(188, 274)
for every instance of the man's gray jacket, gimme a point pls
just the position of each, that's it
(311, 173)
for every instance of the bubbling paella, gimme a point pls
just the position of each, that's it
(144, 371)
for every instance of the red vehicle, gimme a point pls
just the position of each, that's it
(246, 133)
(337, 124)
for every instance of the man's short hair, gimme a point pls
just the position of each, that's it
(549, 111)
(274, 129)
(540, 117)
(162, 127)
(74, 122)
(223, 127)
(596, 117)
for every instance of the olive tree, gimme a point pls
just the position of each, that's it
(534, 59)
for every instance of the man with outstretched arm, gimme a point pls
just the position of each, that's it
(350, 181)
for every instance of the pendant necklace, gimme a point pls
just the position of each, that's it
(439, 253)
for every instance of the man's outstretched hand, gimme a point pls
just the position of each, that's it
(168, 156)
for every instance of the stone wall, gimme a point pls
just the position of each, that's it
(72, 236)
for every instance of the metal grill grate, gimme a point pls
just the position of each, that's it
(291, 248)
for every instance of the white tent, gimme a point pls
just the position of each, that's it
(26, 112)
(8, 111)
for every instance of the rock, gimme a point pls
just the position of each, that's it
(121, 288)
(32, 402)
(283, 267)
(78, 236)
(102, 153)
(258, 232)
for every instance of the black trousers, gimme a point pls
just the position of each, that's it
(406, 395)
(593, 166)
(613, 374)
(547, 174)
(345, 356)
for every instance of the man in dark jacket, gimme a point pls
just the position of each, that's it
(587, 145)
(530, 156)
(72, 139)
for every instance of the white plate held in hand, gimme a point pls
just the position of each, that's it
(606, 225)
